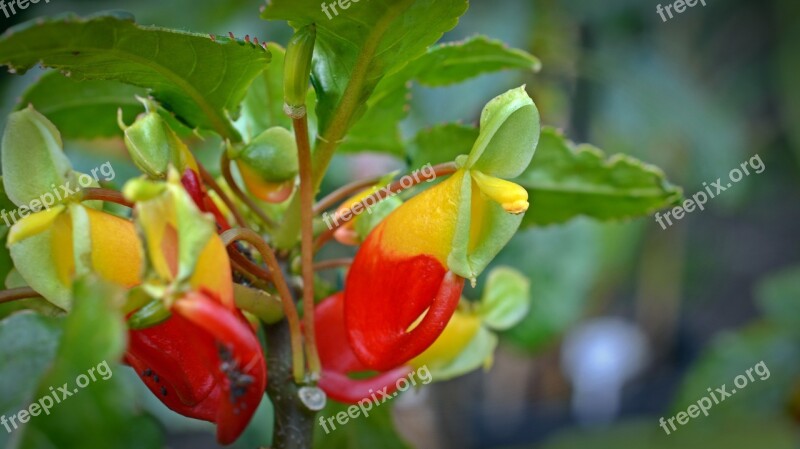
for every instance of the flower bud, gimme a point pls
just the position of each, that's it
(153, 313)
(268, 164)
(153, 145)
(297, 70)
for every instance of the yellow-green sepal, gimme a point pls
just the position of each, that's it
(509, 133)
(33, 159)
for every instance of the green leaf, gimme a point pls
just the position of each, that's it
(565, 181)
(442, 143)
(456, 62)
(779, 297)
(262, 107)
(505, 299)
(362, 432)
(201, 80)
(441, 65)
(28, 345)
(94, 339)
(361, 46)
(83, 109)
(378, 130)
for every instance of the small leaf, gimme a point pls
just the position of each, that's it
(200, 79)
(505, 299)
(83, 109)
(565, 181)
(28, 344)
(94, 340)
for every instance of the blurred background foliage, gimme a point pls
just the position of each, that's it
(654, 316)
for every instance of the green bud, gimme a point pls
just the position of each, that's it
(297, 70)
(32, 157)
(271, 157)
(152, 314)
(153, 145)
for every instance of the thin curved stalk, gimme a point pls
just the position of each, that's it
(332, 263)
(208, 179)
(16, 294)
(102, 194)
(232, 235)
(342, 193)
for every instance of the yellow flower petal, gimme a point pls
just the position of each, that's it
(456, 336)
(33, 224)
(513, 197)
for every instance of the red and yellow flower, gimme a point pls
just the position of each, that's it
(407, 277)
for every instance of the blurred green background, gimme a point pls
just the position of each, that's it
(629, 323)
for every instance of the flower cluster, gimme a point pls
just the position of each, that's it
(192, 341)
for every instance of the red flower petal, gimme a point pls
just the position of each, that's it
(241, 372)
(386, 294)
(339, 360)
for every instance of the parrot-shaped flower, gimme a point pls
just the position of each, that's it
(406, 279)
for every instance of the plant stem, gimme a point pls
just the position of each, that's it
(232, 235)
(102, 194)
(343, 193)
(333, 263)
(307, 242)
(294, 422)
(225, 167)
(222, 195)
(404, 183)
(15, 294)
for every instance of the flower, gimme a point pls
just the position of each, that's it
(339, 361)
(406, 279)
(204, 361)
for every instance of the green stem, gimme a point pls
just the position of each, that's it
(307, 243)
